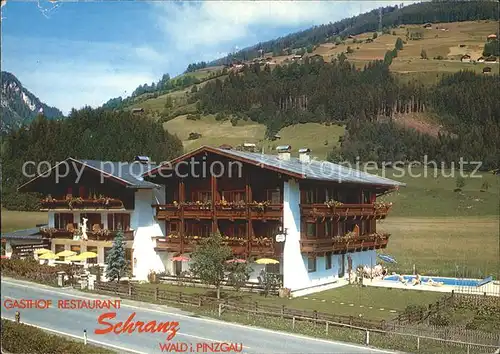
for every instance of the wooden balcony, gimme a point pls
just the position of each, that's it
(269, 212)
(345, 211)
(231, 212)
(80, 203)
(262, 247)
(104, 235)
(341, 244)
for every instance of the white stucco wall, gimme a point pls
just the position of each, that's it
(51, 220)
(145, 228)
(295, 275)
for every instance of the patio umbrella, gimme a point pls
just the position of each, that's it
(236, 261)
(41, 251)
(48, 255)
(266, 261)
(86, 255)
(387, 258)
(66, 253)
(181, 259)
(76, 258)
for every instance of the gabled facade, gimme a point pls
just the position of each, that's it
(327, 212)
(113, 197)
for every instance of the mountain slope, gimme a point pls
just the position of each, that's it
(18, 105)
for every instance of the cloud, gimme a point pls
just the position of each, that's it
(194, 25)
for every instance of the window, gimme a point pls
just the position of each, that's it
(274, 196)
(93, 219)
(204, 196)
(59, 248)
(310, 196)
(61, 220)
(119, 221)
(76, 248)
(234, 196)
(328, 229)
(81, 192)
(128, 257)
(240, 230)
(311, 264)
(328, 260)
(92, 249)
(310, 229)
(273, 268)
(341, 229)
(173, 227)
(106, 253)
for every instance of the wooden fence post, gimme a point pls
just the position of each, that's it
(200, 303)
(315, 314)
(293, 322)
(418, 344)
(180, 298)
(468, 348)
(256, 307)
(129, 289)
(156, 293)
(220, 309)
(367, 337)
(326, 330)
(282, 310)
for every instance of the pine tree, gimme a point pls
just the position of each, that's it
(117, 264)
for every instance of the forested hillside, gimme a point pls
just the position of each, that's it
(86, 134)
(366, 100)
(392, 16)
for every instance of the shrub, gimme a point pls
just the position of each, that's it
(21, 338)
(440, 319)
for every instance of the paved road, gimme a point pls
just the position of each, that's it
(192, 330)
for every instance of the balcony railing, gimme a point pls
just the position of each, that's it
(258, 246)
(80, 203)
(345, 211)
(342, 244)
(103, 235)
(222, 211)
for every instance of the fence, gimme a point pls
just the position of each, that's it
(353, 329)
(421, 314)
(192, 281)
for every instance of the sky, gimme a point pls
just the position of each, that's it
(72, 54)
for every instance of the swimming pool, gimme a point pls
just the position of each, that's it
(445, 281)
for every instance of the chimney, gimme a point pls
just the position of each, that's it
(304, 156)
(142, 159)
(249, 147)
(284, 152)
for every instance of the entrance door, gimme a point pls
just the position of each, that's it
(342, 266)
(177, 268)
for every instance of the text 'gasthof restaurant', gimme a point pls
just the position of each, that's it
(73, 304)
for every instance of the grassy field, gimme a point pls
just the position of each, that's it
(369, 302)
(465, 246)
(16, 220)
(436, 42)
(318, 137)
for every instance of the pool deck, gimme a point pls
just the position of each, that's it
(491, 289)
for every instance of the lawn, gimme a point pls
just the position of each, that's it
(318, 137)
(465, 246)
(432, 195)
(369, 302)
(16, 220)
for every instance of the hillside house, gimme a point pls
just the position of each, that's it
(317, 218)
(137, 110)
(465, 58)
(328, 219)
(112, 197)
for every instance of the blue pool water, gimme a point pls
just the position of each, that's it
(445, 281)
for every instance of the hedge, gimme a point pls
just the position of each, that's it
(31, 270)
(21, 338)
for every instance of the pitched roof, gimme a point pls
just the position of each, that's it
(128, 174)
(26, 234)
(313, 170)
